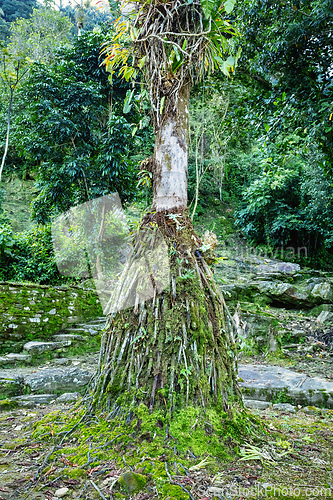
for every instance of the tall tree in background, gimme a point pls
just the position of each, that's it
(41, 35)
(176, 349)
(14, 67)
(72, 131)
(33, 39)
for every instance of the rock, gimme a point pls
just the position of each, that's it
(132, 482)
(255, 327)
(291, 346)
(311, 410)
(68, 397)
(40, 347)
(256, 404)
(273, 345)
(298, 334)
(214, 490)
(12, 358)
(307, 348)
(325, 317)
(323, 291)
(31, 400)
(19, 357)
(315, 311)
(62, 361)
(284, 407)
(61, 492)
(264, 382)
(67, 336)
(58, 380)
(285, 293)
(240, 291)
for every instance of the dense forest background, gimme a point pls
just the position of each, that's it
(261, 140)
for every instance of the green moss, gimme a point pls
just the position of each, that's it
(173, 492)
(75, 473)
(132, 482)
(8, 404)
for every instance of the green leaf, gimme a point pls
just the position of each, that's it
(162, 104)
(142, 61)
(229, 6)
(127, 102)
(208, 6)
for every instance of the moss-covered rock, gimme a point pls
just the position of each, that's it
(132, 481)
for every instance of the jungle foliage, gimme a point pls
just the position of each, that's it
(261, 140)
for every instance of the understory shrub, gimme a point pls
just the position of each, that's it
(290, 206)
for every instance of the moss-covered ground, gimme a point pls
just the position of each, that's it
(293, 459)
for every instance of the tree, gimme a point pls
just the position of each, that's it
(36, 38)
(175, 350)
(288, 53)
(72, 130)
(13, 69)
(41, 35)
(4, 28)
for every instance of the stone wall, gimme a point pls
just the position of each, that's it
(30, 311)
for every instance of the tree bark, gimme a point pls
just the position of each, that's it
(171, 157)
(8, 131)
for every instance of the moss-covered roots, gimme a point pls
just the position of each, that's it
(175, 349)
(165, 396)
(149, 452)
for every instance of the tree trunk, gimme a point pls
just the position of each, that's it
(8, 131)
(171, 157)
(175, 349)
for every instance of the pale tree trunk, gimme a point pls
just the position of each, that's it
(171, 157)
(8, 131)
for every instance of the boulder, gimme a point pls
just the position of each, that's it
(266, 383)
(13, 358)
(284, 407)
(325, 317)
(67, 336)
(323, 291)
(256, 404)
(62, 361)
(58, 380)
(68, 397)
(284, 293)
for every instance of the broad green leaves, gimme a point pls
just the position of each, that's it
(211, 7)
(229, 6)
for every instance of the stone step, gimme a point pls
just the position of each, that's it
(67, 336)
(32, 400)
(35, 347)
(58, 380)
(264, 383)
(13, 358)
(82, 331)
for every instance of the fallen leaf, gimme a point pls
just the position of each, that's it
(49, 471)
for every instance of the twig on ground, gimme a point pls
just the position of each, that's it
(98, 490)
